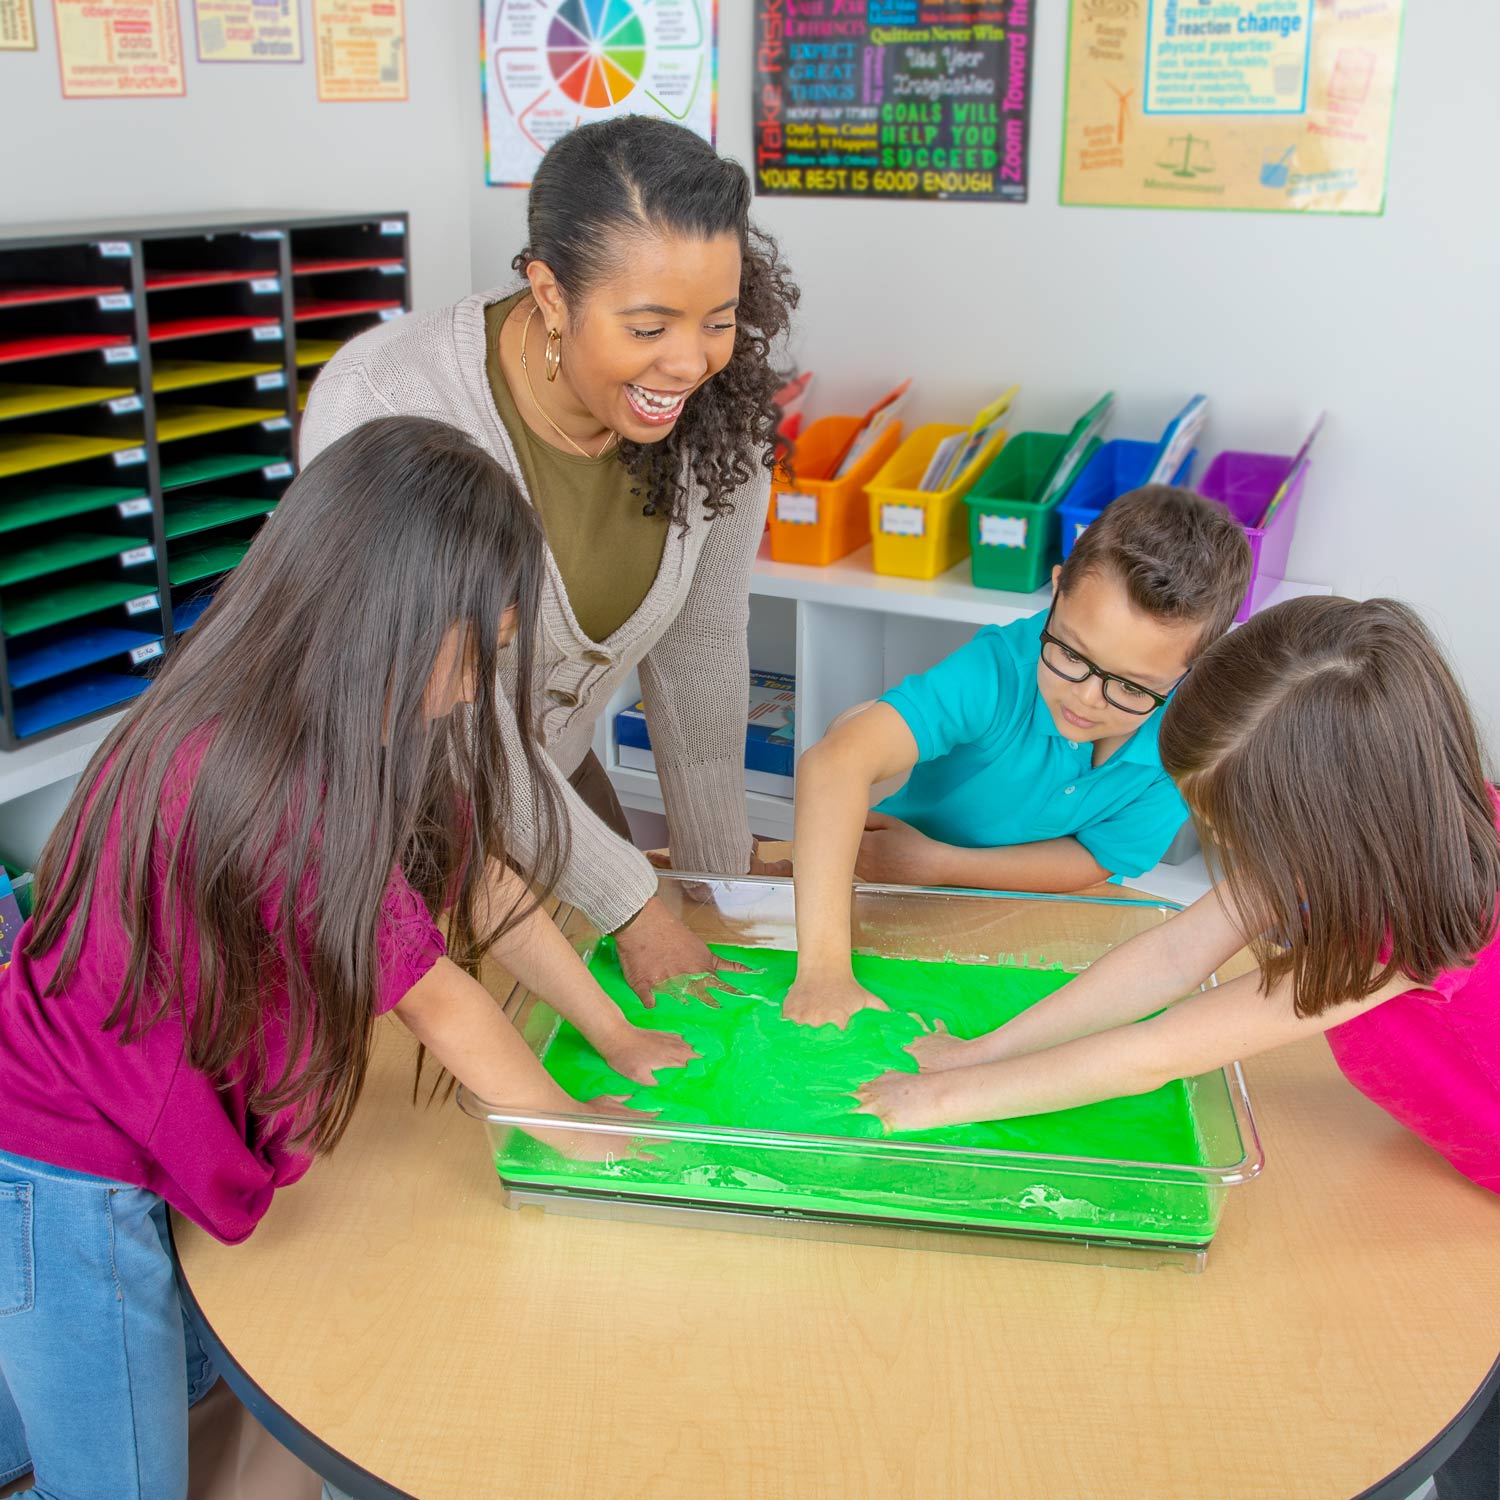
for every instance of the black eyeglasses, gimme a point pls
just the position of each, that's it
(1120, 692)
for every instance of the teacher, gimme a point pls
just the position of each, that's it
(628, 389)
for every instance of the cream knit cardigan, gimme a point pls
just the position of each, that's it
(687, 637)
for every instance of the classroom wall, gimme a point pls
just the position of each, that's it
(255, 136)
(1389, 323)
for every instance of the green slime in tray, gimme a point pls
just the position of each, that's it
(759, 1071)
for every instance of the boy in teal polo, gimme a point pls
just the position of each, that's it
(1031, 751)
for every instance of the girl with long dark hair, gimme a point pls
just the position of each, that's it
(247, 876)
(628, 387)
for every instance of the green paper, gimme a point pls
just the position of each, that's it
(204, 512)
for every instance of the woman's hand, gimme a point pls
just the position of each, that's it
(660, 956)
(894, 853)
(818, 1000)
(639, 1053)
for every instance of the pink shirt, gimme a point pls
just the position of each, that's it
(77, 1097)
(1431, 1059)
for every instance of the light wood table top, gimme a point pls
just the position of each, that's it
(393, 1307)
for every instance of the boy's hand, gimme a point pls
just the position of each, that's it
(639, 1053)
(894, 853)
(816, 1001)
(903, 1101)
(938, 1050)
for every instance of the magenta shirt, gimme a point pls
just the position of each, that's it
(1431, 1059)
(77, 1097)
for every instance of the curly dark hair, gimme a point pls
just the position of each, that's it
(636, 174)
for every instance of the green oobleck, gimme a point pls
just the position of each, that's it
(758, 1071)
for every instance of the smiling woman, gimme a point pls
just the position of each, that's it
(627, 386)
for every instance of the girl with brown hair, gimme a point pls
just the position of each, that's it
(1327, 750)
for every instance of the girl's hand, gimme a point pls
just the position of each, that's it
(938, 1050)
(816, 1001)
(903, 1101)
(593, 1145)
(638, 1053)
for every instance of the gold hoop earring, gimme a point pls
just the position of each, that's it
(552, 362)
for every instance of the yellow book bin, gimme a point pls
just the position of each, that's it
(919, 533)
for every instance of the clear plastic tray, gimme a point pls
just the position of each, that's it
(901, 1191)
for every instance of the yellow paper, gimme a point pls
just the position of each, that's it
(119, 49)
(248, 31)
(17, 26)
(1278, 105)
(361, 47)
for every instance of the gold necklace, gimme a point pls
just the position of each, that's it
(531, 391)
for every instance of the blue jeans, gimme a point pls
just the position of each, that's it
(98, 1363)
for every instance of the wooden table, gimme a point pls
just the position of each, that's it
(403, 1332)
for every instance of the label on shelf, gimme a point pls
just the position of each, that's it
(399, 270)
(903, 520)
(115, 249)
(149, 652)
(266, 332)
(140, 506)
(128, 456)
(136, 556)
(388, 313)
(141, 605)
(277, 424)
(123, 404)
(265, 234)
(265, 284)
(277, 471)
(1002, 531)
(797, 509)
(1079, 527)
(116, 302)
(392, 226)
(272, 380)
(122, 354)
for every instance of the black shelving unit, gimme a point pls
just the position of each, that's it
(152, 377)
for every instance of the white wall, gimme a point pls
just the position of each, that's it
(1390, 323)
(255, 136)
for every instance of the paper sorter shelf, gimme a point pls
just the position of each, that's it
(189, 612)
(80, 697)
(316, 351)
(203, 562)
(190, 328)
(64, 552)
(36, 504)
(309, 311)
(214, 466)
(46, 345)
(204, 512)
(183, 374)
(174, 422)
(24, 453)
(51, 654)
(33, 294)
(38, 400)
(36, 608)
(324, 267)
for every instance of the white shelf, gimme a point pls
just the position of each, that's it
(852, 584)
(50, 761)
(642, 791)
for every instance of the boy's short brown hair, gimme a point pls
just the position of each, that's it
(1180, 557)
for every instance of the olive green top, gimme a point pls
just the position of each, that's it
(607, 551)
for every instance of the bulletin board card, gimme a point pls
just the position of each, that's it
(17, 26)
(248, 31)
(361, 50)
(119, 49)
(552, 65)
(1282, 106)
(917, 99)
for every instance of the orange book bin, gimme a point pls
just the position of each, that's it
(815, 520)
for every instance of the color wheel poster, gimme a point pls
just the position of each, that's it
(893, 98)
(551, 65)
(1278, 105)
